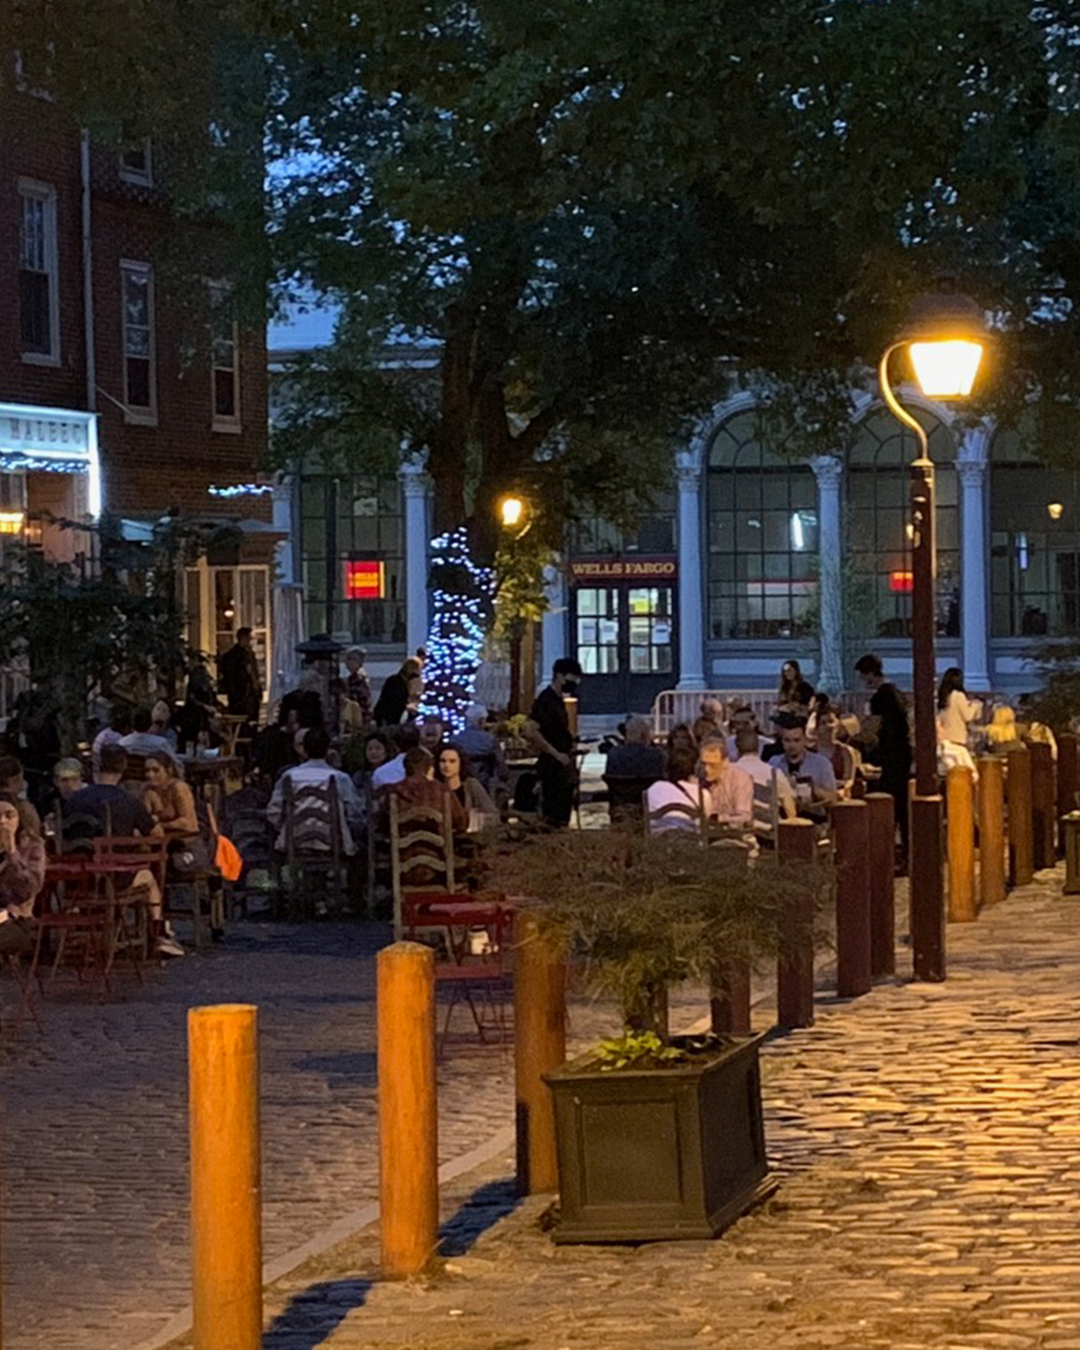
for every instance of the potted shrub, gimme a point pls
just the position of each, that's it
(658, 1136)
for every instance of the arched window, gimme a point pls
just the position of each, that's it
(762, 537)
(1034, 545)
(877, 574)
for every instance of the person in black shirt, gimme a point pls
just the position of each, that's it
(551, 735)
(105, 808)
(892, 751)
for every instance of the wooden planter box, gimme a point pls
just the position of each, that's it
(673, 1152)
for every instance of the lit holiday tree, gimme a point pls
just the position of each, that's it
(462, 595)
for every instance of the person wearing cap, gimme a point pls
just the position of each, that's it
(357, 683)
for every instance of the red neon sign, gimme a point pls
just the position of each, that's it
(365, 579)
(902, 583)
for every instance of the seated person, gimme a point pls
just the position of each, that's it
(743, 718)
(119, 726)
(315, 771)
(452, 768)
(484, 752)
(13, 780)
(22, 874)
(679, 787)
(419, 788)
(680, 737)
(161, 722)
(710, 720)
(810, 775)
(728, 791)
(365, 754)
(143, 740)
(404, 738)
(748, 743)
(103, 809)
(636, 756)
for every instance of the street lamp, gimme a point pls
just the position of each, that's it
(511, 512)
(945, 335)
(516, 519)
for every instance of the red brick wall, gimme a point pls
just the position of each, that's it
(147, 469)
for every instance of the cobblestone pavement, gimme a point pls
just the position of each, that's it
(94, 1125)
(926, 1137)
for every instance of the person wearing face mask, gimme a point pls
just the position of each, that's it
(550, 734)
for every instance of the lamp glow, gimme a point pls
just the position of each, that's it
(1055, 510)
(946, 369)
(511, 511)
(12, 522)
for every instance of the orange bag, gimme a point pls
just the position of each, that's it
(227, 859)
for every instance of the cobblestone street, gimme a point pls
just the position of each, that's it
(94, 1125)
(928, 1143)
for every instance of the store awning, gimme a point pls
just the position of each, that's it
(51, 440)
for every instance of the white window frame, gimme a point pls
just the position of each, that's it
(221, 293)
(147, 416)
(140, 177)
(46, 194)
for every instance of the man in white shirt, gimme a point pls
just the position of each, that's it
(405, 738)
(729, 793)
(743, 719)
(142, 741)
(316, 772)
(751, 763)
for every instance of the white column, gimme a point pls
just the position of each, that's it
(284, 553)
(416, 489)
(972, 466)
(691, 589)
(829, 473)
(554, 640)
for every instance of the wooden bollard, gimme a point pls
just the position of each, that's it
(795, 968)
(1021, 857)
(1043, 804)
(960, 846)
(991, 830)
(226, 1207)
(851, 829)
(539, 1047)
(408, 1118)
(882, 811)
(1068, 781)
(729, 1000)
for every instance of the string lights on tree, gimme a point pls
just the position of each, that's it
(462, 594)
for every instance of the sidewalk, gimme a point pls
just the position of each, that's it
(927, 1138)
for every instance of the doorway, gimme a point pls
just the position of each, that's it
(624, 636)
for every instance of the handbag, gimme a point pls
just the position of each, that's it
(227, 857)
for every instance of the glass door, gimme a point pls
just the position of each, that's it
(624, 638)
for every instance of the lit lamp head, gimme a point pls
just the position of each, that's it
(946, 335)
(1055, 510)
(511, 512)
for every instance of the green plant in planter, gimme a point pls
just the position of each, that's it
(642, 913)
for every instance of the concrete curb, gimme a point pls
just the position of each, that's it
(180, 1324)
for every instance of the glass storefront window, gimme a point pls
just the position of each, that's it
(1034, 557)
(367, 523)
(877, 600)
(762, 538)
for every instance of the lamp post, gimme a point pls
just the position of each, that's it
(516, 520)
(945, 336)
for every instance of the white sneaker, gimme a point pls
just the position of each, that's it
(168, 946)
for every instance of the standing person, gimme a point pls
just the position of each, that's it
(357, 684)
(550, 734)
(955, 710)
(892, 751)
(238, 675)
(794, 691)
(394, 695)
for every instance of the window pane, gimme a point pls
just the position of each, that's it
(138, 383)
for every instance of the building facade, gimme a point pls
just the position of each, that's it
(755, 555)
(127, 384)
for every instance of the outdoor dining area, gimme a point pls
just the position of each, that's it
(166, 829)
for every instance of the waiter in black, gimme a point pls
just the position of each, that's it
(554, 742)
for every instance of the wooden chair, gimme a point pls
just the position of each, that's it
(767, 812)
(673, 816)
(70, 907)
(625, 795)
(428, 900)
(314, 827)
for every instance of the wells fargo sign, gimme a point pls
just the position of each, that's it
(623, 569)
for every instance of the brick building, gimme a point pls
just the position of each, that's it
(126, 383)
